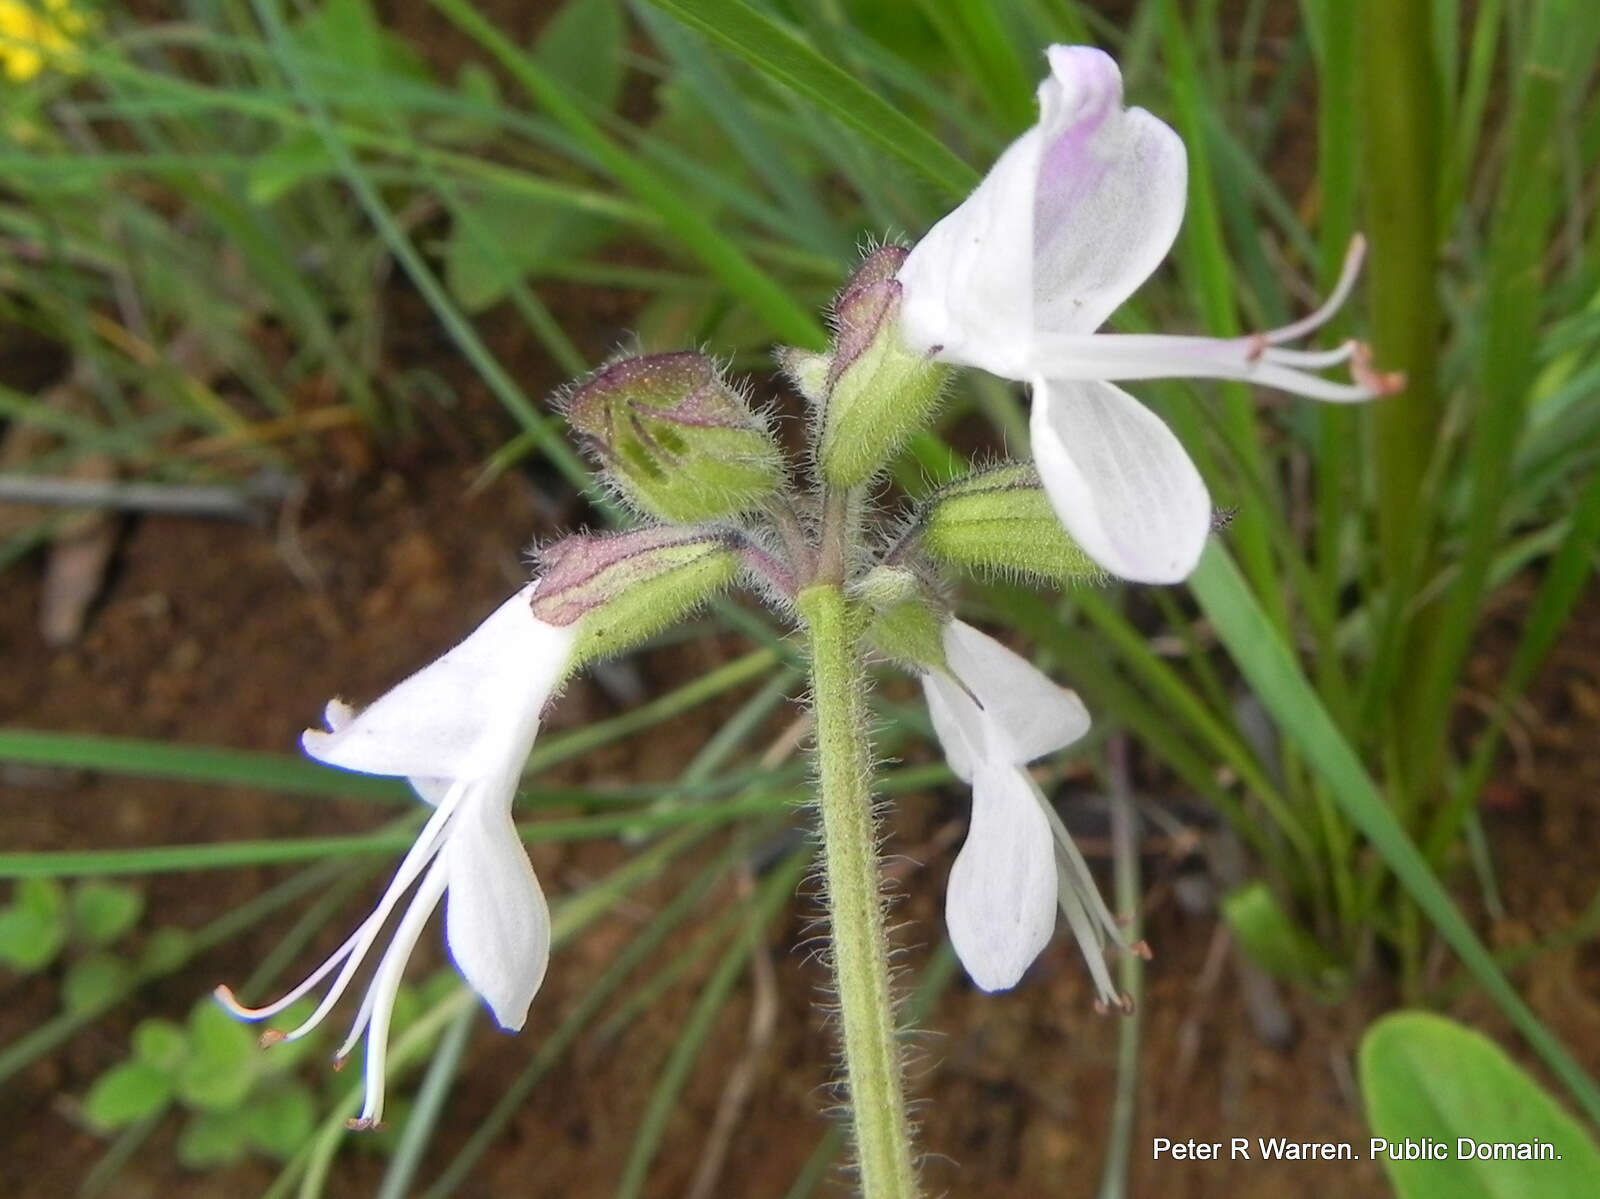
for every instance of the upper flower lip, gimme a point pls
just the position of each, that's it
(1071, 219)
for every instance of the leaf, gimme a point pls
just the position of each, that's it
(34, 927)
(499, 240)
(299, 156)
(581, 47)
(126, 1094)
(165, 950)
(160, 1043)
(223, 1061)
(94, 982)
(1274, 941)
(213, 1139)
(281, 1121)
(1427, 1079)
(102, 912)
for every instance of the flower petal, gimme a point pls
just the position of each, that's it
(1121, 483)
(957, 721)
(967, 285)
(1026, 712)
(1068, 222)
(1001, 905)
(496, 920)
(1110, 196)
(430, 726)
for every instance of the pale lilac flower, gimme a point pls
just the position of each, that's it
(994, 713)
(1073, 217)
(460, 731)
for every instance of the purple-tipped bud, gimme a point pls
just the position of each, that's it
(623, 588)
(679, 442)
(879, 392)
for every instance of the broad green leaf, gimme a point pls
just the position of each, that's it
(125, 1094)
(213, 1139)
(499, 240)
(298, 157)
(223, 1061)
(281, 1121)
(1428, 1080)
(160, 1043)
(34, 927)
(102, 912)
(165, 951)
(94, 981)
(1275, 941)
(581, 47)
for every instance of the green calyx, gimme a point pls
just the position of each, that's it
(680, 444)
(623, 588)
(877, 391)
(998, 523)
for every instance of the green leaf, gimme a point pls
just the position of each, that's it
(497, 241)
(34, 928)
(213, 1139)
(1426, 1079)
(126, 1094)
(1274, 941)
(102, 912)
(281, 1121)
(581, 47)
(298, 157)
(94, 981)
(165, 950)
(223, 1061)
(161, 1044)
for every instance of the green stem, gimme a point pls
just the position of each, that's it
(855, 905)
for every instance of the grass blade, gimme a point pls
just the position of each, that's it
(1271, 670)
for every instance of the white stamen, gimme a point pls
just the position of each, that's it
(354, 951)
(1348, 273)
(386, 984)
(1313, 359)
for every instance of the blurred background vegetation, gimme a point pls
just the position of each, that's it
(283, 291)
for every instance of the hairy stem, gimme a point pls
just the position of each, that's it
(855, 905)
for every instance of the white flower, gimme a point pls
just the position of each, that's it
(1076, 214)
(460, 731)
(993, 717)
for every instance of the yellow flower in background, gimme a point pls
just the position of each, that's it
(34, 36)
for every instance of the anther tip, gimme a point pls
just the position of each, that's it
(1141, 949)
(363, 1124)
(1378, 382)
(338, 1063)
(273, 1036)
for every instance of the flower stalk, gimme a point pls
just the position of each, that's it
(860, 958)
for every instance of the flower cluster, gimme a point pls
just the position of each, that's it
(1016, 281)
(33, 37)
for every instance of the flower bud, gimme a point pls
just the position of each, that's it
(879, 391)
(999, 522)
(907, 622)
(623, 588)
(680, 443)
